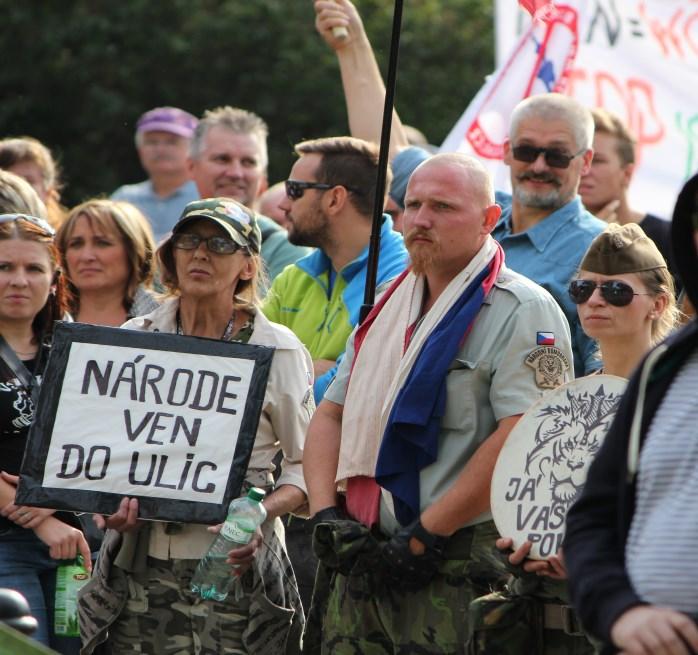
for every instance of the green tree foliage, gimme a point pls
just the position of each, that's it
(78, 73)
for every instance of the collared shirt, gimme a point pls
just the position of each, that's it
(549, 253)
(162, 213)
(489, 380)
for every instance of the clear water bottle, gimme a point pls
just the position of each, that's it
(213, 578)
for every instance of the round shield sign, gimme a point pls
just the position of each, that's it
(543, 465)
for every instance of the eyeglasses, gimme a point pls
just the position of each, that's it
(614, 292)
(217, 245)
(554, 157)
(296, 188)
(38, 222)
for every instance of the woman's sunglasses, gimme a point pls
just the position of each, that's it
(215, 244)
(614, 292)
(38, 222)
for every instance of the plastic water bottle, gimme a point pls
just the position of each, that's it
(213, 578)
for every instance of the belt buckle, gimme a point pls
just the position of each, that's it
(570, 625)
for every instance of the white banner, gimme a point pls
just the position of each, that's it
(637, 58)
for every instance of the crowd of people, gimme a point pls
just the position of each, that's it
(377, 439)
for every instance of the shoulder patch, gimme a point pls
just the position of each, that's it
(549, 365)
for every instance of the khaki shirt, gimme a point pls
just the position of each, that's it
(288, 406)
(488, 381)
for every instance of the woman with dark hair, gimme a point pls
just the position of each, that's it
(211, 266)
(32, 296)
(107, 253)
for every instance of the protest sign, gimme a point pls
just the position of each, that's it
(543, 465)
(167, 419)
(636, 58)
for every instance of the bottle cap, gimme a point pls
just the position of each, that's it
(256, 494)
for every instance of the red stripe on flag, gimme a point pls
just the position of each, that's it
(537, 7)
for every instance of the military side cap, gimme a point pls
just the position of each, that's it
(239, 222)
(622, 249)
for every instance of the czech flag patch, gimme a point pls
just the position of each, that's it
(545, 338)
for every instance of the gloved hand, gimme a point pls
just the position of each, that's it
(406, 571)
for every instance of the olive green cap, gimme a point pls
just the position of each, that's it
(622, 249)
(239, 222)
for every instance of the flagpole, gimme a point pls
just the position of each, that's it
(374, 244)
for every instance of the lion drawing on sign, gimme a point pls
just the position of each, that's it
(567, 440)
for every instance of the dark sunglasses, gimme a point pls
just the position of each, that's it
(554, 157)
(38, 222)
(614, 292)
(217, 245)
(296, 188)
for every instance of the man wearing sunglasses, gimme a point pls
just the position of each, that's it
(544, 228)
(329, 206)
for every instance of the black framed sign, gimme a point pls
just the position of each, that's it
(167, 419)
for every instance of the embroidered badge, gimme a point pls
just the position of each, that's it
(545, 338)
(549, 365)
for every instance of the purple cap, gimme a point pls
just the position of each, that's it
(167, 119)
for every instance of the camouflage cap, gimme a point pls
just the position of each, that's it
(239, 222)
(622, 249)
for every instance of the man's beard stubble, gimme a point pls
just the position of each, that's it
(551, 200)
(422, 255)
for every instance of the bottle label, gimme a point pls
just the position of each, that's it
(235, 531)
(70, 578)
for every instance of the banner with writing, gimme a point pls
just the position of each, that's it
(167, 419)
(636, 58)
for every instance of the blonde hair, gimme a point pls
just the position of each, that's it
(125, 220)
(658, 281)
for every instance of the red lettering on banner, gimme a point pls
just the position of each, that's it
(632, 99)
(674, 36)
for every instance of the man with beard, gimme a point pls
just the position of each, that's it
(163, 135)
(228, 158)
(544, 228)
(431, 385)
(329, 206)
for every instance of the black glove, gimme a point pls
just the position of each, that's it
(406, 571)
(327, 515)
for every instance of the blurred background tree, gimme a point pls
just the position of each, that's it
(76, 74)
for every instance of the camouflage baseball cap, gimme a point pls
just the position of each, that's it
(622, 249)
(239, 222)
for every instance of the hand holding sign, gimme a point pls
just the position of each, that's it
(125, 519)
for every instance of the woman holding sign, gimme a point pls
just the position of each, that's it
(107, 252)
(625, 300)
(32, 297)
(211, 265)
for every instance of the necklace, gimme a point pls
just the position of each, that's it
(227, 333)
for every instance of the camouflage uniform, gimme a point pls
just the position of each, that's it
(362, 615)
(531, 615)
(149, 608)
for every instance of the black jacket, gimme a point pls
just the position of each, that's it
(598, 523)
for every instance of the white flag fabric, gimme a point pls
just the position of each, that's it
(636, 59)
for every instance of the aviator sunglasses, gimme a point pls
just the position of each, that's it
(614, 292)
(296, 188)
(38, 222)
(554, 157)
(215, 244)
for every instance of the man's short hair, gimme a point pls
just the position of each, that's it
(555, 106)
(606, 122)
(349, 162)
(239, 121)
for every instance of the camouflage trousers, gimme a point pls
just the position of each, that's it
(531, 615)
(164, 617)
(362, 616)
